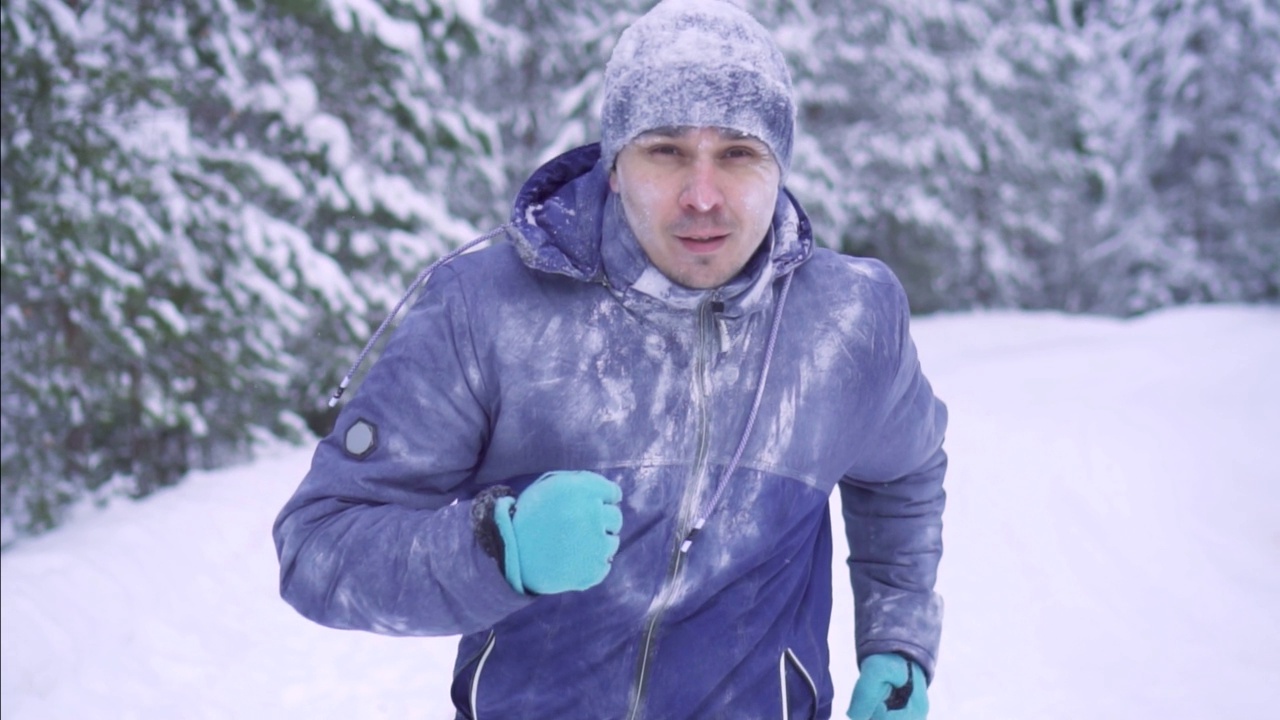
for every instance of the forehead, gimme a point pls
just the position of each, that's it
(680, 132)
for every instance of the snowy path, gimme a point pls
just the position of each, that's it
(1113, 553)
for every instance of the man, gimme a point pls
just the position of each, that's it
(602, 452)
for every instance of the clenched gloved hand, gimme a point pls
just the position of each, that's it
(890, 687)
(561, 533)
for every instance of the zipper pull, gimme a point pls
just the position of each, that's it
(688, 538)
(722, 326)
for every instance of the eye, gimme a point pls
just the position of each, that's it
(664, 150)
(744, 153)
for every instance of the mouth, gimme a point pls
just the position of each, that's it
(703, 243)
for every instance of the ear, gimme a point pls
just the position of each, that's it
(613, 178)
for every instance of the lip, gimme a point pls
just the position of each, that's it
(703, 244)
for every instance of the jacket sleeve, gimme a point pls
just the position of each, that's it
(379, 535)
(892, 502)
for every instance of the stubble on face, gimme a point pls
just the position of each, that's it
(699, 200)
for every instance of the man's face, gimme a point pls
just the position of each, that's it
(699, 200)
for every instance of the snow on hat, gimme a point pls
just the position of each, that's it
(697, 63)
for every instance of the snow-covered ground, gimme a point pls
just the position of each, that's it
(1113, 553)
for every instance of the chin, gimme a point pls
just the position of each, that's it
(701, 281)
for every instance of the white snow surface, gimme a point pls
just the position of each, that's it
(1112, 552)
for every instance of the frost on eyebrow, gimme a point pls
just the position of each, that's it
(675, 132)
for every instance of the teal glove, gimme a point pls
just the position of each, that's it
(890, 687)
(561, 533)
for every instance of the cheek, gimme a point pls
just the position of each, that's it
(757, 202)
(644, 200)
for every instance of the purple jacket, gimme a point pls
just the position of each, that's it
(565, 349)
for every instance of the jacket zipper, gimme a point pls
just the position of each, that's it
(790, 656)
(707, 334)
(475, 677)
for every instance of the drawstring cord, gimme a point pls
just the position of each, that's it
(422, 277)
(751, 419)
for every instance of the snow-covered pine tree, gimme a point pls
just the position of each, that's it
(542, 74)
(394, 167)
(205, 205)
(1185, 103)
(942, 138)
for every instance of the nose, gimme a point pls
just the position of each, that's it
(701, 192)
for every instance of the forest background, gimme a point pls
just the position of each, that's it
(208, 205)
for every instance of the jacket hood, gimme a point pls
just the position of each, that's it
(567, 221)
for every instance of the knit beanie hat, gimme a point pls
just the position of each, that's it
(697, 63)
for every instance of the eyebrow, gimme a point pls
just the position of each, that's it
(676, 131)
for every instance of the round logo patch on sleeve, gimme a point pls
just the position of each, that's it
(361, 438)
